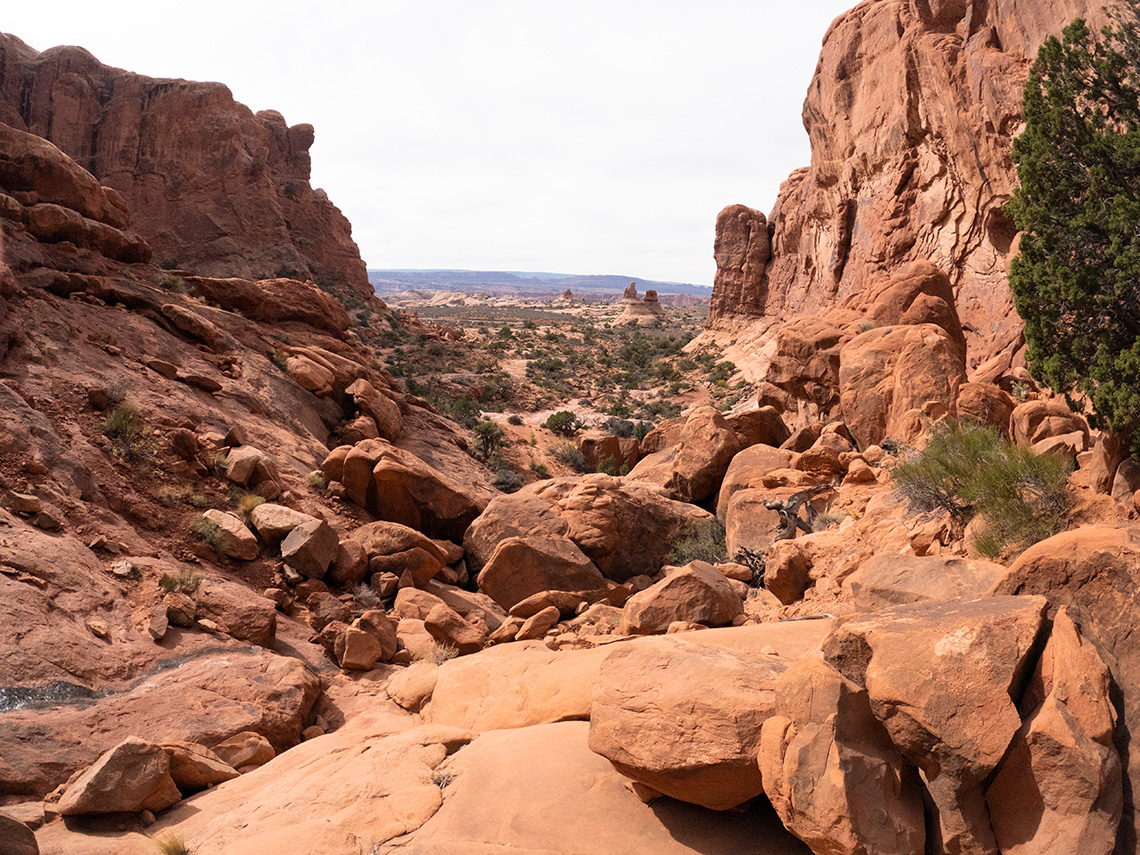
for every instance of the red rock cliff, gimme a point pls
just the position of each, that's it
(911, 113)
(212, 186)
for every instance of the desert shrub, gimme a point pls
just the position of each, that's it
(700, 542)
(279, 359)
(619, 427)
(610, 466)
(186, 582)
(367, 597)
(826, 520)
(563, 423)
(244, 502)
(969, 470)
(571, 456)
(540, 470)
(515, 420)
(207, 531)
(866, 326)
(489, 438)
(506, 480)
(171, 283)
(171, 844)
(462, 410)
(316, 480)
(641, 430)
(124, 427)
(199, 500)
(438, 653)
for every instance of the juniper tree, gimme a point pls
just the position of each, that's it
(1076, 282)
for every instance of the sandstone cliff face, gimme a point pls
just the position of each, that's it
(911, 115)
(210, 185)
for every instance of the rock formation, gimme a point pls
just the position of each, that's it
(911, 113)
(211, 186)
(639, 311)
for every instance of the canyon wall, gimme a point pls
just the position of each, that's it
(211, 186)
(911, 113)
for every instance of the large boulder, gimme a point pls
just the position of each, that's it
(310, 548)
(397, 486)
(831, 772)
(685, 720)
(695, 593)
(748, 468)
(888, 579)
(18, 838)
(1094, 572)
(626, 528)
(132, 776)
(378, 407)
(985, 405)
(195, 767)
(274, 522)
(394, 548)
(1034, 421)
(1059, 787)
(760, 426)
(916, 293)
(229, 535)
(891, 377)
(943, 678)
(523, 566)
(693, 470)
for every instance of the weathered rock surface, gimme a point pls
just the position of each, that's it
(219, 190)
(893, 580)
(626, 528)
(18, 838)
(943, 679)
(693, 470)
(132, 776)
(831, 771)
(233, 538)
(195, 767)
(521, 567)
(696, 593)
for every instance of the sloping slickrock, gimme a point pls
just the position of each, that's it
(694, 469)
(206, 700)
(893, 580)
(274, 301)
(132, 776)
(575, 803)
(831, 772)
(1059, 787)
(521, 567)
(943, 679)
(349, 791)
(626, 528)
(888, 373)
(695, 593)
(1094, 572)
(685, 720)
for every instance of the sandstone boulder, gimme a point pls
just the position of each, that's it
(395, 548)
(747, 469)
(696, 593)
(893, 580)
(916, 293)
(986, 405)
(831, 772)
(18, 838)
(310, 548)
(941, 677)
(310, 375)
(357, 650)
(195, 767)
(245, 749)
(233, 538)
(538, 624)
(446, 626)
(1058, 789)
(1034, 421)
(381, 409)
(760, 426)
(132, 776)
(694, 469)
(275, 522)
(890, 377)
(238, 611)
(626, 528)
(685, 720)
(523, 566)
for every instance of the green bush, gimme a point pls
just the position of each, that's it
(207, 531)
(186, 582)
(563, 423)
(571, 456)
(539, 469)
(972, 471)
(701, 542)
(506, 480)
(515, 420)
(124, 427)
(610, 466)
(489, 439)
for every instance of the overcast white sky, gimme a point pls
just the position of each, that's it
(573, 137)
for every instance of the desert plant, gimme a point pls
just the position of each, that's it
(571, 456)
(124, 427)
(515, 420)
(367, 596)
(316, 480)
(186, 582)
(171, 844)
(506, 480)
(969, 470)
(540, 470)
(116, 392)
(489, 439)
(207, 531)
(244, 503)
(199, 500)
(438, 653)
(171, 283)
(279, 359)
(610, 466)
(641, 429)
(563, 423)
(704, 541)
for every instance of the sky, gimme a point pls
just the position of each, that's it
(577, 137)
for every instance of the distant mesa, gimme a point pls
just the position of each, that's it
(638, 311)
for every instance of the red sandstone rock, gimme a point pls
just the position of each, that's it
(132, 776)
(523, 566)
(698, 593)
(693, 471)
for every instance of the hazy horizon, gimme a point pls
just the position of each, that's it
(503, 136)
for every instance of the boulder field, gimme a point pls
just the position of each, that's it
(256, 597)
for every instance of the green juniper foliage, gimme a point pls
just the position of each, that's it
(1076, 282)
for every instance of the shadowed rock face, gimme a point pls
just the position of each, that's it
(210, 185)
(911, 114)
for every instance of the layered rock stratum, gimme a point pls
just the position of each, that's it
(231, 198)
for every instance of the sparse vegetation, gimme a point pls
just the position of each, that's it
(506, 480)
(489, 439)
(316, 480)
(207, 531)
(199, 500)
(539, 469)
(124, 427)
(969, 470)
(702, 542)
(438, 653)
(570, 455)
(563, 423)
(174, 284)
(279, 359)
(186, 582)
(441, 778)
(171, 844)
(515, 420)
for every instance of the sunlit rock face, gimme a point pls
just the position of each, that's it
(212, 186)
(911, 114)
